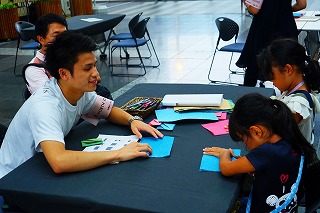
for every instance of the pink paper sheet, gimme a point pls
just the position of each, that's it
(221, 115)
(217, 128)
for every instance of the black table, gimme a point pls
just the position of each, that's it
(75, 23)
(172, 184)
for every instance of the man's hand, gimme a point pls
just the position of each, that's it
(138, 126)
(134, 150)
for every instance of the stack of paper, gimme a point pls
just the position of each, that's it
(192, 100)
(226, 105)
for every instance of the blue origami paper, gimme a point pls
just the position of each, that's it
(210, 163)
(169, 115)
(161, 147)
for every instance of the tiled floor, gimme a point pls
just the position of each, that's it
(184, 35)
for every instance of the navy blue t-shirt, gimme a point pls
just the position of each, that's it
(277, 167)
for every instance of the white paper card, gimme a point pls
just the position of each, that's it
(111, 142)
(192, 100)
(91, 19)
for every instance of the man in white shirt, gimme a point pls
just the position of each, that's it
(49, 114)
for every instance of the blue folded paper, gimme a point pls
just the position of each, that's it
(161, 147)
(210, 163)
(166, 126)
(169, 115)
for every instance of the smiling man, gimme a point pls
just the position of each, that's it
(49, 114)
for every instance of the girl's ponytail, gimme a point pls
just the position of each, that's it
(312, 74)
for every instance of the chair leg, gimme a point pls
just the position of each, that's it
(155, 53)
(15, 61)
(214, 54)
(220, 82)
(233, 71)
(128, 55)
(145, 71)
(134, 65)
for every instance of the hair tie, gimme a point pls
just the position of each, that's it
(307, 59)
(274, 103)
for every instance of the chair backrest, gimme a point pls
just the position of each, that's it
(134, 21)
(227, 28)
(19, 25)
(312, 187)
(3, 130)
(140, 29)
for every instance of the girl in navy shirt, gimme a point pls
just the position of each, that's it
(267, 127)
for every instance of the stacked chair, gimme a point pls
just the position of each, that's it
(138, 37)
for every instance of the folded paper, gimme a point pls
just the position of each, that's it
(218, 128)
(169, 115)
(161, 147)
(166, 126)
(210, 163)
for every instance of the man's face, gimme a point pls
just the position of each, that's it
(85, 74)
(54, 30)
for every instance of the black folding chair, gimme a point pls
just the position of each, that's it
(125, 35)
(140, 37)
(33, 45)
(228, 29)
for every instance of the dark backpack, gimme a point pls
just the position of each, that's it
(28, 65)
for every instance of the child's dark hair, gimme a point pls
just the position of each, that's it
(64, 51)
(255, 109)
(288, 51)
(42, 25)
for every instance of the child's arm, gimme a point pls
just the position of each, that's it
(297, 117)
(227, 166)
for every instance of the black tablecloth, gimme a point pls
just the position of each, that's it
(108, 22)
(172, 184)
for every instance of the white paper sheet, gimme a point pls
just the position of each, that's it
(91, 19)
(111, 142)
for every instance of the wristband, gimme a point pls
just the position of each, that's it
(134, 118)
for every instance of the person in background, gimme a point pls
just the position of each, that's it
(297, 76)
(268, 129)
(43, 121)
(271, 19)
(48, 27)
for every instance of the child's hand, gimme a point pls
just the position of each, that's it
(217, 151)
(232, 154)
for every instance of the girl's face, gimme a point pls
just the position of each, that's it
(280, 79)
(258, 136)
(249, 142)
